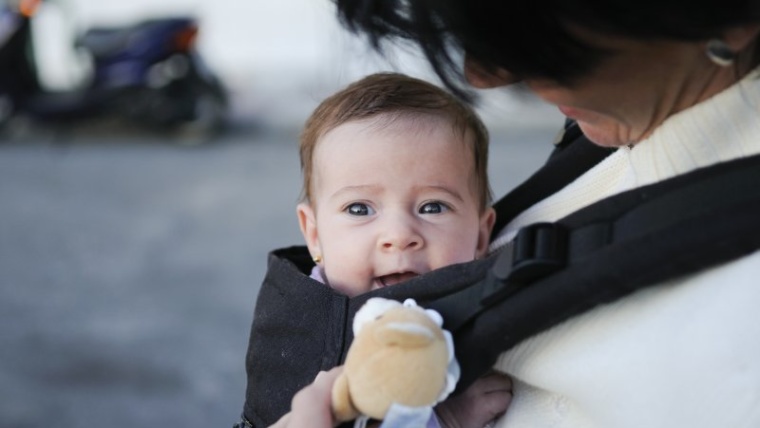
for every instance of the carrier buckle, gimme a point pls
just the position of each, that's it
(537, 250)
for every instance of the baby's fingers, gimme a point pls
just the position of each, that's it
(492, 381)
(311, 406)
(492, 394)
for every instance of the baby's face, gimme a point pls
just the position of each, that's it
(392, 202)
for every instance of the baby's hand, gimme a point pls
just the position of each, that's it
(481, 403)
(311, 405)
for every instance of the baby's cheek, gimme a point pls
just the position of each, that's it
(459, 255)
(462, 248)
(347, 279)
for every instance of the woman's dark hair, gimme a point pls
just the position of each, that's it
(530, 38)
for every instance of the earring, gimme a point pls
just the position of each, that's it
(317, 259)
(719, 53)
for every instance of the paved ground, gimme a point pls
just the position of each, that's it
(129, 269)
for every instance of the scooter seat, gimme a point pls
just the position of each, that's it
(105, 41)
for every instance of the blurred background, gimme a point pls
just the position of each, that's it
(134, 232)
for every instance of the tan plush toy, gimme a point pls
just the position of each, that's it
(400, 357)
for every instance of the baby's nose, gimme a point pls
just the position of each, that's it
(401, 236)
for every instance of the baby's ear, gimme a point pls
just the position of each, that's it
(308, 223)
(487, 221)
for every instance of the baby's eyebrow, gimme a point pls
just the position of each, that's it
(363, 188)
(440, 188)
(371, 189)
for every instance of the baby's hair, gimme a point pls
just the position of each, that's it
(393, 95)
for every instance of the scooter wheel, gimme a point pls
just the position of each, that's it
(6, 111)
(208, 118)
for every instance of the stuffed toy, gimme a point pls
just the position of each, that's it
(400, 364)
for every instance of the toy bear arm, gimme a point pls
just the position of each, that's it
(342, 406)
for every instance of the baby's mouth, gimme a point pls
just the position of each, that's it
(395, 278)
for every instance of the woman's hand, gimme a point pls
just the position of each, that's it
(312, 406)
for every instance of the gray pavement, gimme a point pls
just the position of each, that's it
(129, 267)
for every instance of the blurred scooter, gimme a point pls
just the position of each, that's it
(148, 74)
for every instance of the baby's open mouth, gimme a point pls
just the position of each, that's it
(395, 278)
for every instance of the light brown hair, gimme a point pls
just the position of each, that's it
(395, 94)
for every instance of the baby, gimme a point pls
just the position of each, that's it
(395, 185)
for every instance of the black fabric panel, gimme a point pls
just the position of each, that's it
(296, 332)
(425, 289)
(291, 342)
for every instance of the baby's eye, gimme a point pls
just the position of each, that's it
(358, 208)
(433, 208)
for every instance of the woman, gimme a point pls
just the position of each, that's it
(672, 88)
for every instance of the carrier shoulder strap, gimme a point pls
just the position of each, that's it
(552, 271)
(573, 155)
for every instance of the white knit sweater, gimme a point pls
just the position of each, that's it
(685, 354)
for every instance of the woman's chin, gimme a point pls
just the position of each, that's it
(604, 135)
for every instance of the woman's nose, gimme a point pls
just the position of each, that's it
(482, 78)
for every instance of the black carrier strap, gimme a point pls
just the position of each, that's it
(552, 271)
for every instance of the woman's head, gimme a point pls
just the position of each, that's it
(393, 95)
(625, 66)
(538, 39)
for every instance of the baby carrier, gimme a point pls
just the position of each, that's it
(548, 273)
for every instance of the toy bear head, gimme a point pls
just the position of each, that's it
(400, 355)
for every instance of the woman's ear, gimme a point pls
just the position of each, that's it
(308, 223)
(487, 221)
(740, 37)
